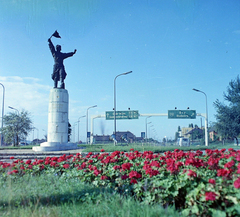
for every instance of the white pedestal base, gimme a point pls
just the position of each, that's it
(55, 146)
(57, 139)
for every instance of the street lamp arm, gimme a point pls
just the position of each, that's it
(125, 73)
(206, 118)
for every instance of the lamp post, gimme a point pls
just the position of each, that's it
(146, 126)
(37, 134)
(150, 131)
(87, 120)
(2, 112)
(125, 73)
(78, 124)
(74, 131)
(206, 118)
(17, 121)
(46, 133)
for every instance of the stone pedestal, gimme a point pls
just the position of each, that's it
(57, 139)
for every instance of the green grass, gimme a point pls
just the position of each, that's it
(53, 196)
(140, 147)
(147, 147)
(18, 147)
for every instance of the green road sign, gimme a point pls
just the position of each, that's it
(132, 114)
(182, 114)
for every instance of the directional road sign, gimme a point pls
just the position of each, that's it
(182, 114)
(131, 114)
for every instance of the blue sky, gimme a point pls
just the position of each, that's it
(171, 46)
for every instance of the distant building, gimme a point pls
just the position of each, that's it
(120, 137)
(185, 130)
(196, 130)
(101, 139)
(213, 134)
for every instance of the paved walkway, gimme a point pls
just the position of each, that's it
(27, 151)
(25, 154)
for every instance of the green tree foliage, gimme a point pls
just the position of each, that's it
(16, 127)
(228, 116)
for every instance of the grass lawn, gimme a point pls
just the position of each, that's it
(48, 195)
(140, 147)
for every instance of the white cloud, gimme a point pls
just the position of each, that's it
(236, 31)
(26, 93)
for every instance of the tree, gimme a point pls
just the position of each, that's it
(190, 125)
(16, 127)
(228, 116)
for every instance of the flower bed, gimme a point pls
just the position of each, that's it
(194, 183)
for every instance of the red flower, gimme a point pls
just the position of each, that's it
(96, 172)
(223, 172)
(151, 172)
(210, 196)
(41, 167)
(5, 165)
(53, 163)
(15, 171)
(124, 177)
(135, 174)
(192, 173)
(54, 159)
(238, 157)
(155, 164)
(83, 166)
(102, 150)
(237, 183)
(126, 166)
(133, 181)
(11, 158)
(28, 162)
(229, 164)
(116, 167)
(39, 161)
(103, 177)
(66, 166)
(212, 181)
(11, 172)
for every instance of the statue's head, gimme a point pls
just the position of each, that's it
(58, 47)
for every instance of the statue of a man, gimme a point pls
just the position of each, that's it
(59, 73)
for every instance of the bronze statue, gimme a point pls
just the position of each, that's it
(59, 73)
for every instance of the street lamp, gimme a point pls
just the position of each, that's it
(146, 126)
(150, 131)
(206, 118)
(46, 133)
(2, 113)
(74, 131)
(87, 120)
(78, 124)
(37, 133)
(17, 121)
(125, 73)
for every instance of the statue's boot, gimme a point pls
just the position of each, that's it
(55, 83)
(62, 85)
